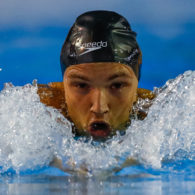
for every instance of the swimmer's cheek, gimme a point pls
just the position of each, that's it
(53, 95)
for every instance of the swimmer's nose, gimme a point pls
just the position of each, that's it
(99, 104)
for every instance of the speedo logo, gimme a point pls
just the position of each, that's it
(92, 46)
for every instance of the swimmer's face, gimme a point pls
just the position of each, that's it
(99, 97)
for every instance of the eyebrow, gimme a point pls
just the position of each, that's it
(114, 76)
(77, 76)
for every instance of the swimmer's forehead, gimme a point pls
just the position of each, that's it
(101, 70)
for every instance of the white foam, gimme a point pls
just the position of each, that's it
(170, 125)
(29, 131)
(30, 134)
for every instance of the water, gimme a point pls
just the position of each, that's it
(155, 156)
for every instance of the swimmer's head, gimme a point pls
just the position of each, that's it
(101, 36)
(100, 63)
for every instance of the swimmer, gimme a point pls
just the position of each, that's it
(100, 62)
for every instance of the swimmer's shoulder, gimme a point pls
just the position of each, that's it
(145, 93)
(52, 85)
(52, 94)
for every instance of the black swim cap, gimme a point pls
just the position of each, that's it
(101, 36)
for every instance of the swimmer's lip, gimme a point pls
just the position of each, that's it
(102, 132)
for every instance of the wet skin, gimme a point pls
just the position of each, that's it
(99, 97)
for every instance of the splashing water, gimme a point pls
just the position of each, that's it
(31, 134)
(29, 131)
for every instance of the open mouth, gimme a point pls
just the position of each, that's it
(99, 129)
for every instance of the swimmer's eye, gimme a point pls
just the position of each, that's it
(117, 85)
(81, 85)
